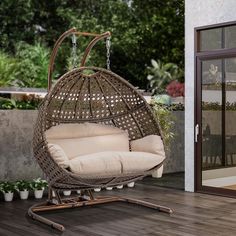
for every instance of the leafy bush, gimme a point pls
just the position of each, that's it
(162, 99)
(8, 69)
(39, 184)
(28, 103)
(161, 74)
(7, 187)
(141, 30)
(23, 185)
(33, 67)
(216, 106)
(166, 121)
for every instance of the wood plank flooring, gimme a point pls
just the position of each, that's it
(195, 214)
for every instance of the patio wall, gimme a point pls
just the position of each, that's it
(16, 156)
(198, 13)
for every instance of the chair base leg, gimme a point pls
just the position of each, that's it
(79, 202)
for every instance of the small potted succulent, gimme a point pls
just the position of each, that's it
(38, 185)
(23, 187)
(7, 188)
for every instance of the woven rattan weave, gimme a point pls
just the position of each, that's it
(89, 94)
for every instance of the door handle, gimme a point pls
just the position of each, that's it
(196, 132)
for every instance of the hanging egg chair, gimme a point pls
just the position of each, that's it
(93, 131)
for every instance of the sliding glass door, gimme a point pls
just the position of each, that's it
(215, 130)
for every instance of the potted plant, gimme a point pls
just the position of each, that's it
(97, 189)
(109, 188)
(23, 187)
(7, 188)
(119, 186)
(39, 185)
(130, 185)
(67, 192)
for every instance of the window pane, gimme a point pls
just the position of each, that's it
(211, 114)
(210, 39)
(230, 112)
(230, 37)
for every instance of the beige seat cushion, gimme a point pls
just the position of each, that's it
(58, 155)
(150, 143)
(74, 147)
(82, 130)
(113, 163)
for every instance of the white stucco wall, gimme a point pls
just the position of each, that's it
(198, 13)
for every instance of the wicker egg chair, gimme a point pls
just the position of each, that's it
(97, 97)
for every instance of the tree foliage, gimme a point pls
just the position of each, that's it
(141, 30)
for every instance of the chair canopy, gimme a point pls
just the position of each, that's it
(101, 97)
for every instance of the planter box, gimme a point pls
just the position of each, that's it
(16, 154)
(16, 145)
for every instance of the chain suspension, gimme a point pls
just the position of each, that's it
(108, 46)
(74, 51)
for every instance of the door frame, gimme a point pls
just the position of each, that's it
(198, 58)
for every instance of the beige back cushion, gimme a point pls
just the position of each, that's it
(83, 130)
(58, 155)
(82, 139)
(150, 143)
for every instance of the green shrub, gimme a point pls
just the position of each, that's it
(161, 74)
(33, 67)
(8, 70)
(28, 103)
(166, 121)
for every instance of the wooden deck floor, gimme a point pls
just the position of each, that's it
(195, 214)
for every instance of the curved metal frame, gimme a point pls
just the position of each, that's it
(97, 37)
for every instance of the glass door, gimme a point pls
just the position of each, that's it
(218, 123)
(215, 130)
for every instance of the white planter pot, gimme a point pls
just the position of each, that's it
(8, 197)
(67, 193)
(130, 185)
(97, 190)
(109, 188)
(78, 192)
(24, 194)
(38, 194)
(120, 186)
